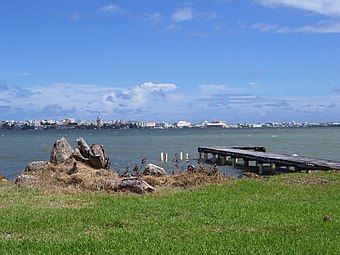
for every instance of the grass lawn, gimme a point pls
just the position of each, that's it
(278, 215)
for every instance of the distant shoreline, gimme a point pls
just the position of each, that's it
(108, 127)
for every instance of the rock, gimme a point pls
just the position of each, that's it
(152, 169)
(103, 173)
(327, 218)
(61, 151)
(135, 184)
(37, 166)
(251, 175)
(3, 179)
(107, 184)
(191, 169)
(26, 179)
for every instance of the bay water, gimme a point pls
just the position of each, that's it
(125, 147)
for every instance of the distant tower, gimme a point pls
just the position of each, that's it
(99, 122)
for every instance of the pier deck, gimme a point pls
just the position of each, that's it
(222, 154)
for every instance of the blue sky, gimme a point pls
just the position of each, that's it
(238, 61)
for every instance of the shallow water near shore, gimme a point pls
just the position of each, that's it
(129, 146)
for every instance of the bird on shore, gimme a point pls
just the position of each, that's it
(74, 169)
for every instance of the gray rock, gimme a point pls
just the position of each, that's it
(191, 168)
(103, 173)
(37, 166)
(327, 218)
(152, 169)
(135, 184)
(26, 179)
(61, 151)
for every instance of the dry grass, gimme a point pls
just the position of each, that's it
(55, 180)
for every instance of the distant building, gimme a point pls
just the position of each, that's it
(162, 125)
(69, 121)
(183, 123)
(217, 124)
(100, 122)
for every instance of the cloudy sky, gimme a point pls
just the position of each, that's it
(233, 60)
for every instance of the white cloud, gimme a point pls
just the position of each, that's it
(161, 102)
(135, 98)
(325, 7)
(76, 17)
(182, 14)
(22, 73)
(219, 89)
(111, 8)
(153, 18)
(173, 27)
(323, 27)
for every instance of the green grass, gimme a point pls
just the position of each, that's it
(278, 215)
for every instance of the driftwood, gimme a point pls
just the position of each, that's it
(95, 155)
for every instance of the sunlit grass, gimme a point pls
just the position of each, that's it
(278, 215)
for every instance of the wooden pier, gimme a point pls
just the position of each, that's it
(257, 156)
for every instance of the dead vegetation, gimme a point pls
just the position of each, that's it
(56, 179)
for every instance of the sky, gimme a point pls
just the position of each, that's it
(241, 61)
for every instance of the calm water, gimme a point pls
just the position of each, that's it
(125, 147)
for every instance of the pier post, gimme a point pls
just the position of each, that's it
(260, 168)
(246, 162)
(181, 155)
(205, 156)
(223, 161)
(272, 168)
(162, 156)
(214, 158)
(166, 157)
(187, 157)
(233, 162)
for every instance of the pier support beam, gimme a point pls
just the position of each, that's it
(223, 161)
(260, 168)
(205, 157)
(273, 168)
(246, 162)
(214, 159)
(233, 162)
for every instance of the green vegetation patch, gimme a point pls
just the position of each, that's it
(264, 216)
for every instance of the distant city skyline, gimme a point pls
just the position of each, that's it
(246, 61)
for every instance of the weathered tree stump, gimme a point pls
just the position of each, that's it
(94, 155)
